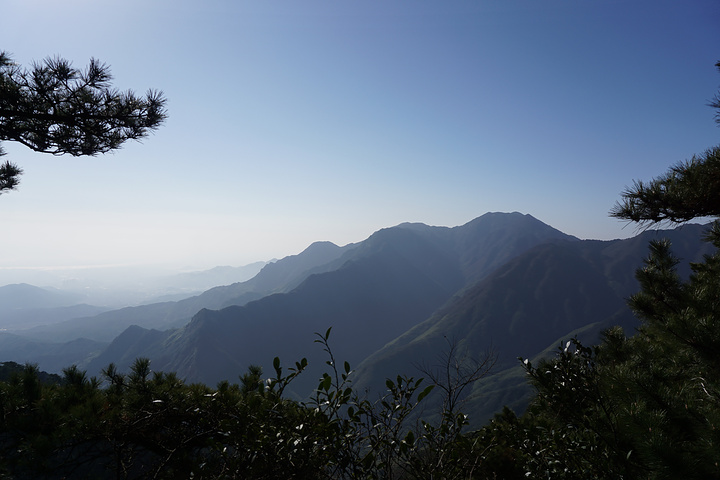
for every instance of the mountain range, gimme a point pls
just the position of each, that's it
(504, 284)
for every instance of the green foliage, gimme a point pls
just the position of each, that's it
(384, 439)
(147, 424)
(9, 174)
(151, 424)
(680, 195)
(571, 427)
(688, 190)
(647, 406)
(669, 373)
(10, 369)
(58, 109)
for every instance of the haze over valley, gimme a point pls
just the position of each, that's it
(115, 286)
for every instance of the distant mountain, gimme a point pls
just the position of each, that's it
(21, 295)
(374, 292)
(527, 307)
(275, 277)
(202, 280)
(50, 356)
(23, 306)
(26, 318)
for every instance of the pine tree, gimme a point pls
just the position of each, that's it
(669, 375)
(58, 109)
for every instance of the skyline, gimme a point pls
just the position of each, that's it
(290, 124)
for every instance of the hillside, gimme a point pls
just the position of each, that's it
(381, 288)
(526, 308)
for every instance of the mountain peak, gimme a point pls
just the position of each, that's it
(320, 246)
(515, 221)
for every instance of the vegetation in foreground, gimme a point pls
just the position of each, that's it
(152, 425)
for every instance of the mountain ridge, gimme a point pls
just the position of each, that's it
(422, 265)
(395, 300)
(273, 277)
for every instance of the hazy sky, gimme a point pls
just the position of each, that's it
(296, 121)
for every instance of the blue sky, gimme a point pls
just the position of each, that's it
(291, 122)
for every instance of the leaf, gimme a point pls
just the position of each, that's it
(326, 383)
(276, 366)
(425, 392)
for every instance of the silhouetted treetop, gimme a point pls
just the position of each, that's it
(56, 108)
(688, 190)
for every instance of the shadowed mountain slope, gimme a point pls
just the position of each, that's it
(381, 288)
(526, 308)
